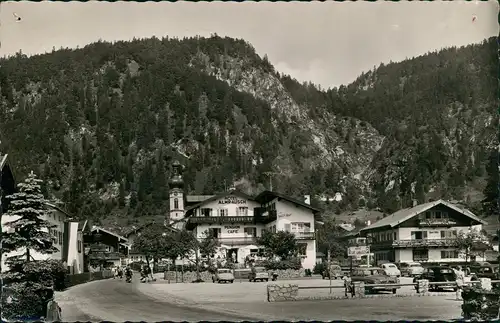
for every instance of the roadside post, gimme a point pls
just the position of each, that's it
(329, 273)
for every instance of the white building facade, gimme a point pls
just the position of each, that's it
(66, 236)
(237, 219)
(425, 233)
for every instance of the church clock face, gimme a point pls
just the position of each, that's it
(175, 193)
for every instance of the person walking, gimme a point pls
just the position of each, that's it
(460, 278)
(53, 309)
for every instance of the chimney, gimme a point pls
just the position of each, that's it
(415, 203)
(307, 199)
(368, 222)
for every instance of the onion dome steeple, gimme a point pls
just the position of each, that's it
(176, 181)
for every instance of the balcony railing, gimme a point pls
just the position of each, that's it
(220, 219)
(436, 223)
(305, 235)
(237, 241)
(416, 243)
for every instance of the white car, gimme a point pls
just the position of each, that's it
(411, 269)
(391, 269)
(223, 275)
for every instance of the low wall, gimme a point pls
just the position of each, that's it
(189, 276)
(77, 279)
(282, 292)
(288, 292)
(186, 277)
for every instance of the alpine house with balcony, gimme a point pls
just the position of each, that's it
(423, 233)
(237, 219)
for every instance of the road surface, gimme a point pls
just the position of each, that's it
(115, 300)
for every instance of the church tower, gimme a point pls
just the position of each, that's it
(176, 194)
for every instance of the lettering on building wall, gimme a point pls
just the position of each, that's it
(232, 200)
(232, 229)
(284, 215)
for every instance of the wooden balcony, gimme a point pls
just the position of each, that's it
(305, 235)
(436, 223)
(414, 243)
(237, 241)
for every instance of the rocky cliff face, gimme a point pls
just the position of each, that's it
(102, 125)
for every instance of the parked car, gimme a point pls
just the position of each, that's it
(258, 273)
(223, 275)
(439, 274)
(335, 272)
(411, 269)
(391, 269)
(485, 271)
(374, 275)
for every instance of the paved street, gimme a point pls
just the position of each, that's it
(115, 300)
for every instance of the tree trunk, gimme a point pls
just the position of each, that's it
(198, 277)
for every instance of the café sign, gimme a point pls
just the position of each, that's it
(232, 200)
(232, 229)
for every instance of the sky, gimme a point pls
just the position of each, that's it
(327, 43)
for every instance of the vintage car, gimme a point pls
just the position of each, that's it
(411, 269)
(374, 275)
(443, 274)
(391, 269)
(335, 272)
(223, 275)
(258, 273)
(485, 271)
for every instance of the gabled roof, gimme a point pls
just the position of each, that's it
(3, 160)
(197, 198)
(83, 225)
(143, 226)
(408, 213)
(268, 196)
(108, 232)
(55, 207)
(216, 197)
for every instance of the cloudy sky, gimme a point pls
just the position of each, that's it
(327, 43)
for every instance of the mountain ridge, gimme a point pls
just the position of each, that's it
(102, 124)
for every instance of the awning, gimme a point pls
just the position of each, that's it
(250, 247)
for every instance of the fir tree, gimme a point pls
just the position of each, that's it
(27, 229)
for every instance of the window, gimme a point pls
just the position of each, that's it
(288, 227)
(300, 227)
(251, 231)
(273, 229)
(450, 234)
(449, 254)
(394, 236)
(214, 232)
(60, 238)
(205, 212)
(223, 212)
(176, 204)
(418, 235)
(437, 215)
(302, 249)
(428, 215)
(242, 211)
(79, 246)
(420, 254)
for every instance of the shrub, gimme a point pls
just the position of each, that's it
(479, 304)
(308, 272)
(292, 263)
(319, 268)
(24, 301)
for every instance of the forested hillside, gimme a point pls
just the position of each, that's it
(102, 125)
